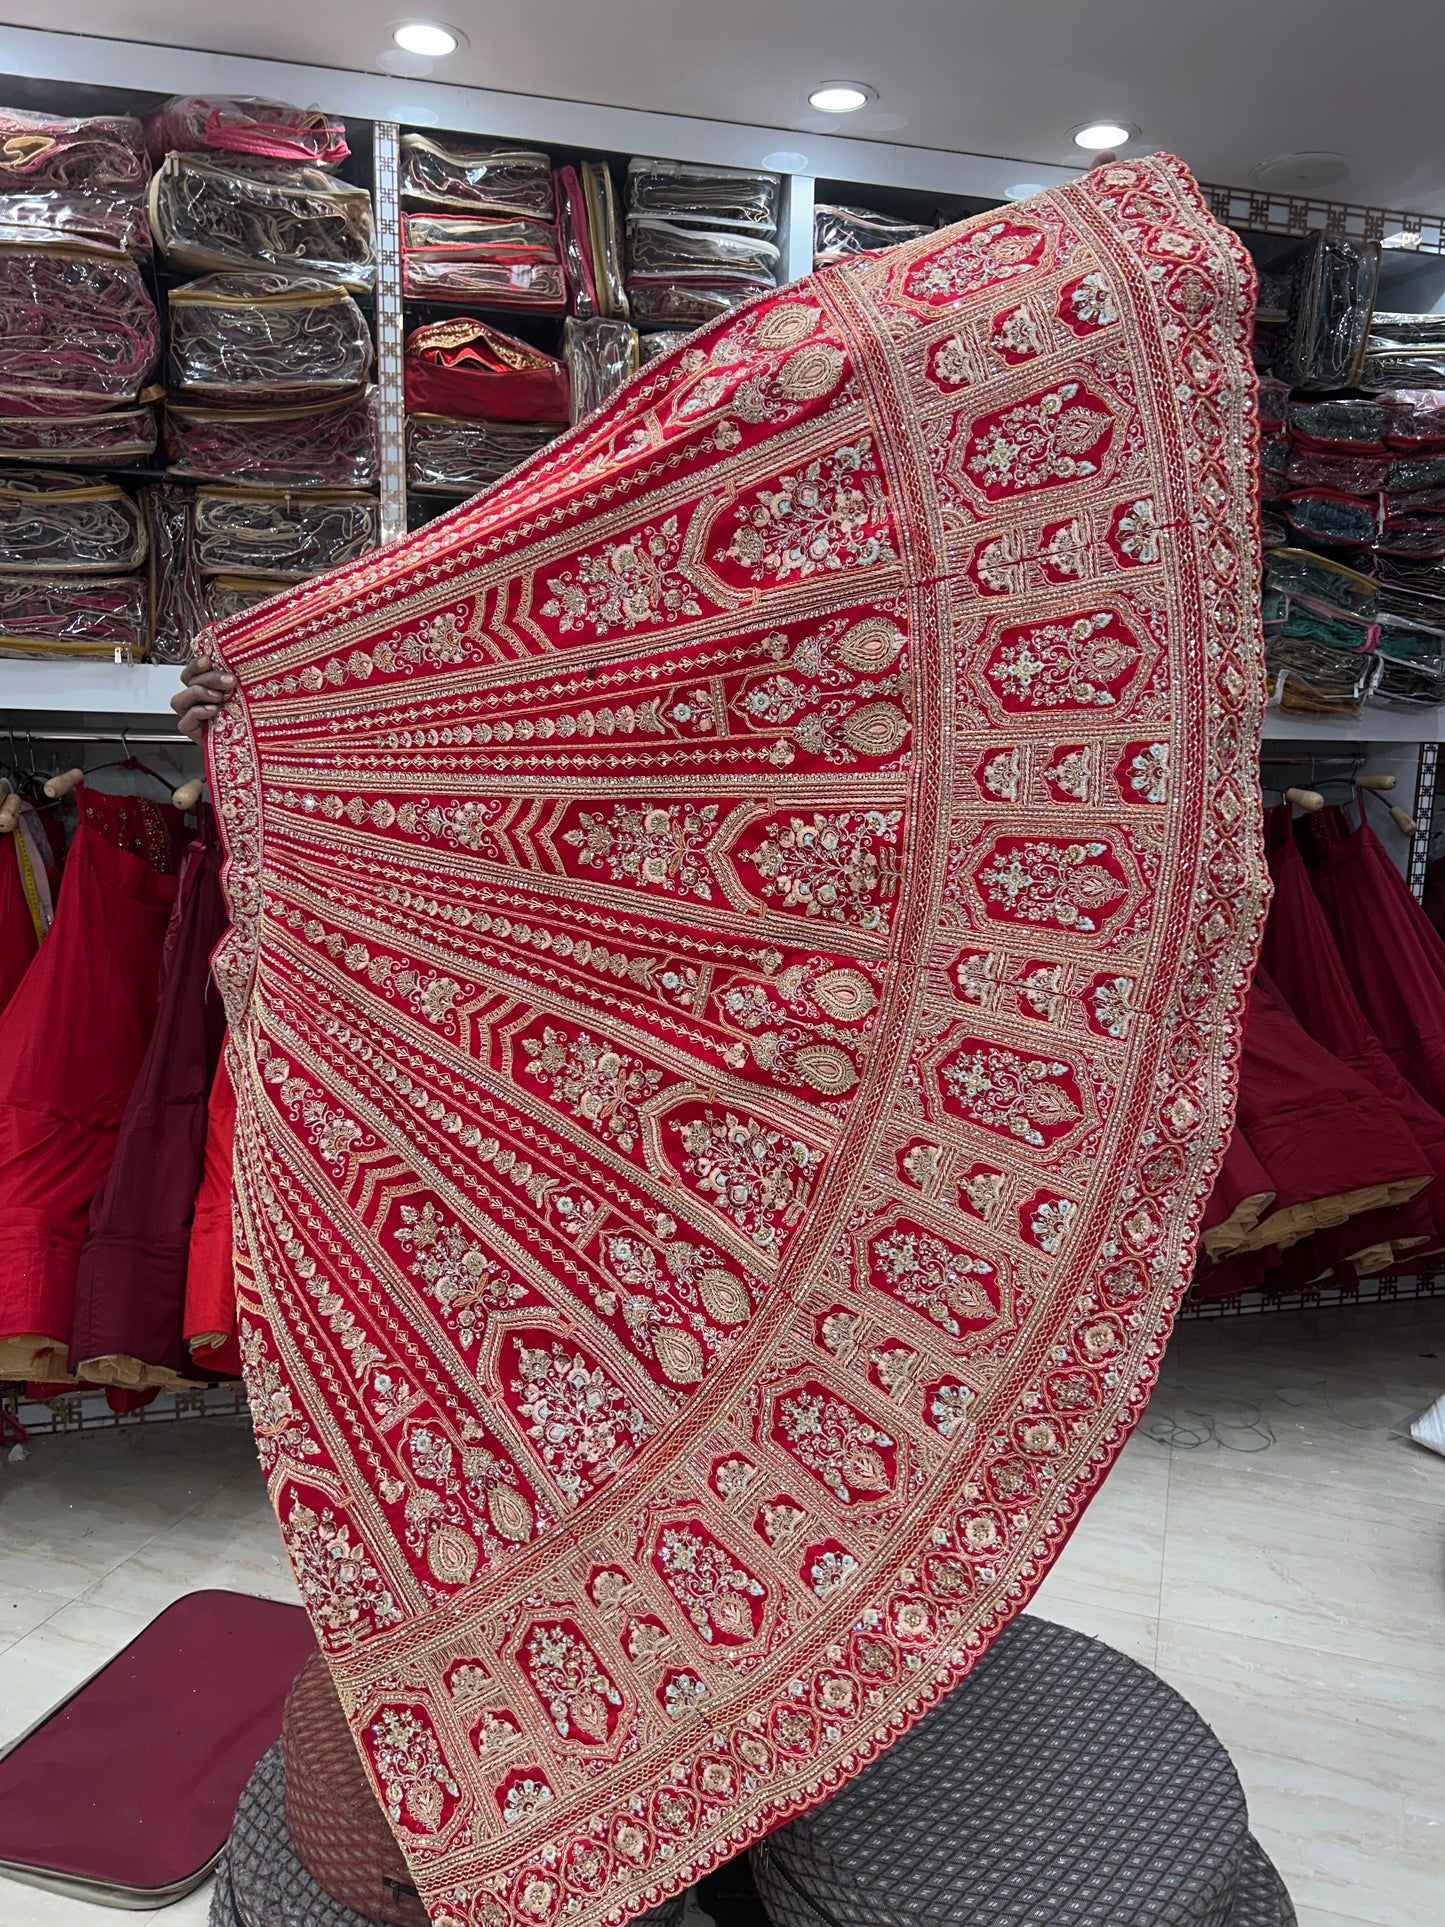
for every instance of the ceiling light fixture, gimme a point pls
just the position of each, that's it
(841, 96)
(426, 37)
(1405, 238)
(1099, 134)
(1023, 190)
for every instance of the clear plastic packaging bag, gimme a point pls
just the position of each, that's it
(466, 367)
(61, 524)
(604, 239)
(177, 613)
(119, 438)
(1311, 679)
(495, 284)
(80, 333)
(50, 617)
(575, 243)
(65, 176)
(600, 354)
(1415, 419)
(1319, 578)
(664, 249)
(479, 237)
(243, 334)
(317, 445)
(232, 595)
(839, 232)
(282, 537)
(448, 455)
(1330, 517)
(1391, 369)
(262, 214)
(653, 347)
(685, 304)
(478, 177)
(1358, 425)
(239, 124)
(1332, 295)
(718, 196)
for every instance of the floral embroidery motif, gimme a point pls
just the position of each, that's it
(1083, 662)
(1149, 773)
(1048, 439)
(948, 1406)
(629, 585)
(584, 1427)
(723, 1600)
(855, 1459)
(948, 1285)
(756, 1176)
(1062, 884)
(1071, 774)
(1136, 532)
(1089, 304)
(465, 1281)
(660, 846)
(600, 1085)
(1110, 999)
(1049, 1220)
(567, 1676)
(1033, 1099)
(983, 258)
(417, 1785)
(951, 363)
(281, 1429)
(1002, 775)
(344, 1592)
(830, 865)
(1016, 335)
(830, 515)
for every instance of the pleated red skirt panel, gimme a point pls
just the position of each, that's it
(1305, 966)
(18, 941)
(130, 1289)
(1394, 956)
(71, 1042)
(210, 1315)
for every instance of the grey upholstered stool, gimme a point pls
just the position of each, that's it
(1062, 1785)
(262, 1883)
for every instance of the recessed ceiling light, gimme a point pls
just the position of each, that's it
(1301, 173)
(841, 97)
(786, 160)
(426, 37)
(1099, 134)
(1023, 190)
(1406, 237)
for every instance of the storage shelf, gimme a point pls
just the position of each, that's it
(1371, 726)
(90, 688)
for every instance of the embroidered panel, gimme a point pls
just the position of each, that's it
(738, 942)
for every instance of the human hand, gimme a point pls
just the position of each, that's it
(206, 688)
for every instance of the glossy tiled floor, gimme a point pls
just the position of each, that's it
(1264, 1543)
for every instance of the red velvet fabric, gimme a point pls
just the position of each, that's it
(1394, 955)
(130, 1290)
(211, 1275)
(476, 395)
(134, 1781)
(18, 942)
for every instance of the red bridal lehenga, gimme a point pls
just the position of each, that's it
(739, 941)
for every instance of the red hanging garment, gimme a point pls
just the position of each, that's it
(210, 1317)
(130, 1290)
(19, 935)
(1305, 967)
(71, 1041)
(1330, 1143)
(1395, 957)
(1242, 1193)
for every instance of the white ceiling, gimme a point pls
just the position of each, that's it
(1224, 83)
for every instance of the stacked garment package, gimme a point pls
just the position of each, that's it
(498, 230)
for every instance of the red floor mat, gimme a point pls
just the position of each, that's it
(126, 1791)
